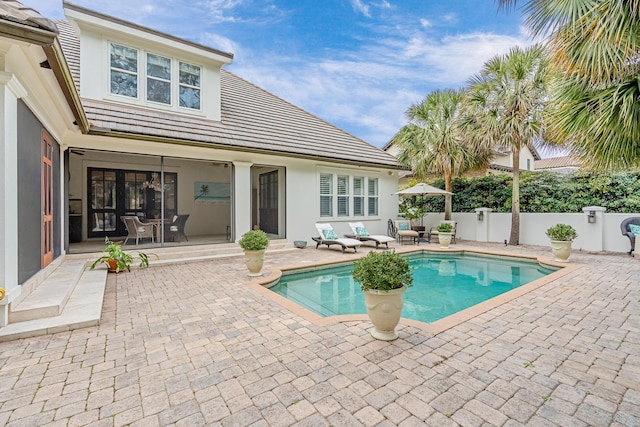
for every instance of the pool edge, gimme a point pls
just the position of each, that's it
(261, 284)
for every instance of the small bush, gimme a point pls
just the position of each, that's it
(382, 271)
(254, 240)
(562, 232)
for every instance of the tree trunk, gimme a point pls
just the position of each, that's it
(447, 198)
(514, 238)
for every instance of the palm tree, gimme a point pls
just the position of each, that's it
(595, 46)
(505, 102)
(434, 142)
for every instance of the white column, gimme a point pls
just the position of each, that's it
(593, 228)
(241, 198)
(10, 91)
(482, 224)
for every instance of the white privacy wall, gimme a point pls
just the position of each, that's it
(603, 235)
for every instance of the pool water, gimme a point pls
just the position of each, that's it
(442, 285)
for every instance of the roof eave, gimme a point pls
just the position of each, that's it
(140, 137)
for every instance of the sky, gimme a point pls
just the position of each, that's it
(358, 64)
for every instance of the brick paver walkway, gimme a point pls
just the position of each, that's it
(192, 345)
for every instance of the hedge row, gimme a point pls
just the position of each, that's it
(543, 192)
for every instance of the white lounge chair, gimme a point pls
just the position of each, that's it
(329, 237)
(360, 233)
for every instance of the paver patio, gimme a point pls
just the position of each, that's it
(191, 344)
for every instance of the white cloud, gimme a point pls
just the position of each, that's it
(425, 23)
(359, 6)
(219, 42)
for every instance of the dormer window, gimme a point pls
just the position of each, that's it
(124, 71)
(189, 86)
(158, 79)
(166, 79)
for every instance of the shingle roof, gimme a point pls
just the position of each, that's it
(558, 162)
(252, 120)
(14, 11)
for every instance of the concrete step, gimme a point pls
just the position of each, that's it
(51, 296)
(83, 309)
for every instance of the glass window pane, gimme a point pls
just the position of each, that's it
(158, 91)
(358, 186)
(124, 84)
(326, 206)
(373, 186)
(358, 206)
(158, 66)
(190, 97)
(189, 74)
(124, 58)
(343, 185)
(326, 183)
(343, 206)
(373, 206)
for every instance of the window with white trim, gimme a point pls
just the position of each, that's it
(372, 197)
(358, 196)
(165, 79)
(124, 70)
(343, 195)
(158, 79)
(326, 195)
(352, 195)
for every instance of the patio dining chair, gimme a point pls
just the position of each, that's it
(137, 229)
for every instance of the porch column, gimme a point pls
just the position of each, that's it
(241, 198)
(10, 91)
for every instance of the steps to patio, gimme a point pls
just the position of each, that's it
(71, 295)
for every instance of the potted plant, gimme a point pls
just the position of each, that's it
(384, 277)
(117, 259)
(444, 234)
(561, 236)
(254, 243)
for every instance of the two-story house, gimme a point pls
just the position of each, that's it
(104, 119)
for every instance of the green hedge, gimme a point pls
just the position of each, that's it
(542, 192)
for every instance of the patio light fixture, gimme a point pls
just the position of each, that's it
(591, 217)
(480, 216)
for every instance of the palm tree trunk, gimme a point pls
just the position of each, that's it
(514, 238)
(447, 198)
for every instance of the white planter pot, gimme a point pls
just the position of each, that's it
(384, 309)
(254, 260)
(444, 239)
(561, 250)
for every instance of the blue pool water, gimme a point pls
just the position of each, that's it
(442, 285)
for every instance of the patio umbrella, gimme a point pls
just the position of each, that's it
(423, 189)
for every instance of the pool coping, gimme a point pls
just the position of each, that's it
(261, 285)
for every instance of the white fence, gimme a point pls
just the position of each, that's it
(600, 233)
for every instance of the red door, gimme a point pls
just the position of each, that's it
(47, 198)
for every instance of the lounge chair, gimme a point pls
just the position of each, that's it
(403, 231)
(625, 227)
(329, 237)
(360, 233)
(434, 230)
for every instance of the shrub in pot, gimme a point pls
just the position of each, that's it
(561, 236)
(117, 259)
(254, 243)
(444, 234)
(384, 277)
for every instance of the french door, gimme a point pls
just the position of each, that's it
(269, 202)
(47, 200)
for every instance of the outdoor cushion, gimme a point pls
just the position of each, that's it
(361, 231)
(329, 234)
(403, 226)
(635, 229)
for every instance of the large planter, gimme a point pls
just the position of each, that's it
(561, 250)
(444, 239)
(254, 260)
(384, 309)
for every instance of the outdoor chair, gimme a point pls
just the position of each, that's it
(403, 231)
(628, 228)
(433, 231)
(176, 228)
(137, 229)
(361, 233)
(329, 237)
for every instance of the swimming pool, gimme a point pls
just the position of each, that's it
(443, 284)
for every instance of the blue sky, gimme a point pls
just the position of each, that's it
(358, 64)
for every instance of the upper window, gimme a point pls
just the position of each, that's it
(158, 79)
(124, 71)
(189, 86)
(165, 79)
(351, 192)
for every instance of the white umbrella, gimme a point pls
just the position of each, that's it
(423, 189)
